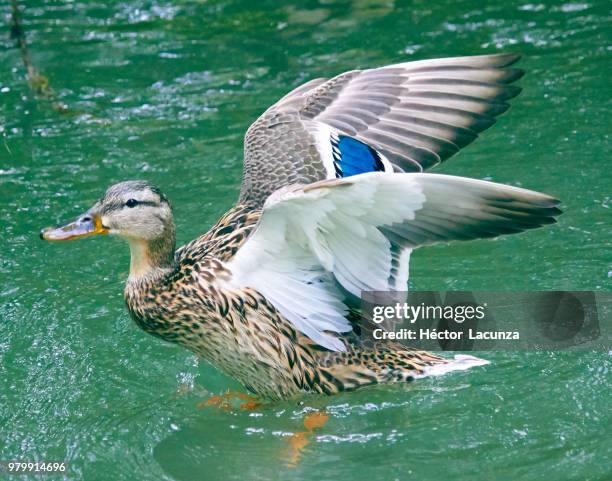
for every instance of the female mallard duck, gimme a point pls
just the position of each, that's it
(333, 201)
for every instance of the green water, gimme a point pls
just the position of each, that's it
(165, 92)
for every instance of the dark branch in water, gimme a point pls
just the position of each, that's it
(38, 82)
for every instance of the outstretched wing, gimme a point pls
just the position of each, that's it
(411, 115)
(357, 231)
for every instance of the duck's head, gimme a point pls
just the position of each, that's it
(134, 210)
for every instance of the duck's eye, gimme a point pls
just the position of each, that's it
(131, 203)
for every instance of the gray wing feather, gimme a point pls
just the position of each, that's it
(465, 209)
(417, 114)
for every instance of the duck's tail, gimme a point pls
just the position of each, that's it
(355, 368)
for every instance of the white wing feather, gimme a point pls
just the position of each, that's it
(359, 231)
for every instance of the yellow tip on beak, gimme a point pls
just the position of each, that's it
(85, 226)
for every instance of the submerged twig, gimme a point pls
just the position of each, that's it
(38, 82)
(6, 145)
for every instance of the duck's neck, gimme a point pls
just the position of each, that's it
(152, 259)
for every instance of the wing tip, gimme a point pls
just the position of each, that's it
(513, 75)
(511, 91)
(496, 60)
(542, 210)
(510, 58)
(501, 59)
(555, 212)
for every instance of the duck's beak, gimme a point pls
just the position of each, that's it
(87, 225)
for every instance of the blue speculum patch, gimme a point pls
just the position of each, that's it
(352, 157)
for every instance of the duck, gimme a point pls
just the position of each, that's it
(335, 197)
